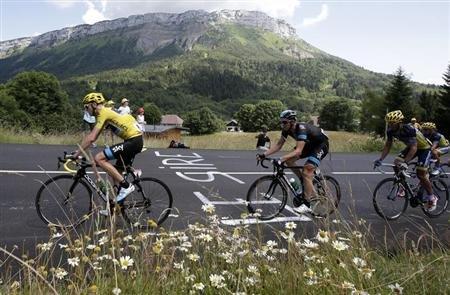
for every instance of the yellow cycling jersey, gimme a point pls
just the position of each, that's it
(124, 126)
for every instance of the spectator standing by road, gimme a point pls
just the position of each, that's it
(140, 118)
(124, 109)
(263, 142)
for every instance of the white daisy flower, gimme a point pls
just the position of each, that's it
(340, 246)
(126, 262)
(290, 225)
(60, 273)
(209, 208)
(323, 236)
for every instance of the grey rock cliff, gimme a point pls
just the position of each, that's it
(154, 30)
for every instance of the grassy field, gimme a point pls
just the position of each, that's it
(208, 258)
(339, 141)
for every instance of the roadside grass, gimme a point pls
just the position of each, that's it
(209, 258)
(340, 141)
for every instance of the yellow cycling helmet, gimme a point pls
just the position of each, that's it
(94, 97)
(428, 125)
(394, 117)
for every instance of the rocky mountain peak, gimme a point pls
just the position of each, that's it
(154, 29)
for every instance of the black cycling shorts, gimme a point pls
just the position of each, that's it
(124, 152)
(315, 153)
(423, 157)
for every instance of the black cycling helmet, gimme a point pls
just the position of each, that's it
(288, 115)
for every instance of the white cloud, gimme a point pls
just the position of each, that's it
(92, 14)
(323, 15)
(63, 3)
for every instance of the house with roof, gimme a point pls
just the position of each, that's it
(170, 128)
(233, 126)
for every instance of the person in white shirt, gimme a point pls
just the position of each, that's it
(124, 109)
(140, 118)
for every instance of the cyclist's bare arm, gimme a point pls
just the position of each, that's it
(276, 147)
(88, 140)
(295, 153)
(411, 152)
(386, 149)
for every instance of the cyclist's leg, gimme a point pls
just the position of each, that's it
(312, 162)
(292, 162)
(423, 163)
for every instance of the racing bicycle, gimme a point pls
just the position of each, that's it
(268, 195)
(392, 195)
(68, 200)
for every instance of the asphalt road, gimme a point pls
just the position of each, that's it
(196, 177)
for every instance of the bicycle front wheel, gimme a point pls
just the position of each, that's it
(389, 199)
(327, 198)
(266, 197)
(440, 190)
(64, 201)
(149, 205)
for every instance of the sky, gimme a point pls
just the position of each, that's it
(378, 35)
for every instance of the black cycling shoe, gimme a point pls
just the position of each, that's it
(414, 202)
(298, 201)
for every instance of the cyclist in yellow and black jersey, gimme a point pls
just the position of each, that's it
(124, 126)
(416, 146)
(440, 144)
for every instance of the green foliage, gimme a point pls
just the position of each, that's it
(245, 117)
(152, 113)
(372, 113)
(443, 120)
(36, 100)
(203, 121)
(338, 115)
(428, 106)
(265, 113)
(399, 95)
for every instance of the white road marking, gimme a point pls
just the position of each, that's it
(187, 167)
(256, 221)
(241, 221)
(39, 172)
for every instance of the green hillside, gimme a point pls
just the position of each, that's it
(226, 67)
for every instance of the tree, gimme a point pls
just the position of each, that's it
(267, 113)
(245, 117)
(399, 94)
(443, 120)
(338, 115)
(429, 104)
(203, 121)
(152, 113)
(37, 93)
(372, 113)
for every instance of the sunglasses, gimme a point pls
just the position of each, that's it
(285, 122)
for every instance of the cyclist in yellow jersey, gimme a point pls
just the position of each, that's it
(126, 128)
(416, 146)
(440, 144)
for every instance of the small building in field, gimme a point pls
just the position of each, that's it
(165, 132)
(233, 126)
(171, 120)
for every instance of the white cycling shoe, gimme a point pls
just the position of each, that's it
(123, 193)
(302, 209)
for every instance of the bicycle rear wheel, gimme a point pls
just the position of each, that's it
(327, 198)
(63, 201)
(149, 205)
(440, 190)
(266, 197)
(389, 199)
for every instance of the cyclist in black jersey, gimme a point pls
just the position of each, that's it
(311, 143)
(416, 146)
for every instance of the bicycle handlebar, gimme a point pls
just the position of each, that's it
(401, 171)
(67, 159)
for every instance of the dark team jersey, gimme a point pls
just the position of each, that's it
(437, 138)
(308, 133)
(409, 135)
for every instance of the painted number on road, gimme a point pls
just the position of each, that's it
(185, 164)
